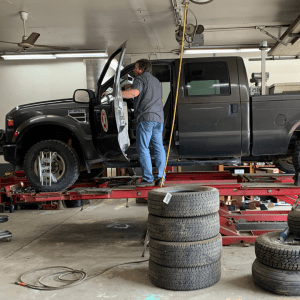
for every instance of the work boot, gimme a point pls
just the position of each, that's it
(158, 182)
(144, 183)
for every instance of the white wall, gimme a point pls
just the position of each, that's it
(27, 81)
(281, 71)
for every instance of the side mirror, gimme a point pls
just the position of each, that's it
(83, 96)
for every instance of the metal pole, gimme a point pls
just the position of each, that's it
(263, 67)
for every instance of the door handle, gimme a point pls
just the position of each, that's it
(233, 109)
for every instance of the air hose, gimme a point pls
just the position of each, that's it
(59, 275)
(176, 98)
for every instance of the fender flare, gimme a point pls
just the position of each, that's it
(69, 124)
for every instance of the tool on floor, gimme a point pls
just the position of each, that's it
(5, 234)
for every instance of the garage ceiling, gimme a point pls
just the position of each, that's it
(149, 26)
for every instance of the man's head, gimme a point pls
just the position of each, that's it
(142, 65)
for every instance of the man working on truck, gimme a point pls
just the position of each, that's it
(148, 111)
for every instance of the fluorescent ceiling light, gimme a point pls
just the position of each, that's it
(81, 54)
(208, 51)
(78, 54)
(28, 56)
(201, 1)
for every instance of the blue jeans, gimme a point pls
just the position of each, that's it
(147, 132)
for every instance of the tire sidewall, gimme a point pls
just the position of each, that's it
(285, 167)
(189, 200)
(274, 253)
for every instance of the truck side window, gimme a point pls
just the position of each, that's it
(206, 78)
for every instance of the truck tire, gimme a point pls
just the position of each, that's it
(65, 167)
(272, 252)
(94, 173)
(183, 229)
(285, 164)
(282, 282)
(187, 201)
(184, 279)
(186, 255)
(294, 221)
(73, 203)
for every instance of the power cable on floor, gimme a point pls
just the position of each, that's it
(65, 271)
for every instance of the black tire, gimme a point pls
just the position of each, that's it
(183, 229)
(73, 203)
(294, 221)
(285, 164)
(282, 282)
(66, 168)
(187, 201)
(94, 173)
(186, 255)
(184, 279)
(272, 252)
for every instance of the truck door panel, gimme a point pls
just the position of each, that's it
(209, 109)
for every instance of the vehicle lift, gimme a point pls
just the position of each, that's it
(241, 226)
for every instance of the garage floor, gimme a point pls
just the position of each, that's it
(104, 234)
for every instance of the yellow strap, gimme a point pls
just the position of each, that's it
(177, 89)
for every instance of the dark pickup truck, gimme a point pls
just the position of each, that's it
(217, 122)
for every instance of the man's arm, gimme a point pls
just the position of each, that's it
(131, 93)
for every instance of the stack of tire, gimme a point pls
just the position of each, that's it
(277, 266)
(185, 245)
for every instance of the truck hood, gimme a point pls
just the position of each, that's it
(61, 108)
(45, 104)
(44, 107)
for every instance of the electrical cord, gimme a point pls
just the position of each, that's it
(176, 97)
(65, 271)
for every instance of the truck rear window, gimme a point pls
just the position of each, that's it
(206, 78)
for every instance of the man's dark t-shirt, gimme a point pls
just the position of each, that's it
(148, 105)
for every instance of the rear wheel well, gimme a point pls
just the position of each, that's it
(295, 137)
(49, 132)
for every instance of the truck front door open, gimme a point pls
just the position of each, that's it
(110, 134)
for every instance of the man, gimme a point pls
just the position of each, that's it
(149, 115)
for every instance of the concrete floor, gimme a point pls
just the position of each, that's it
(104, 234)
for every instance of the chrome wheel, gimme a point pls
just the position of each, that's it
(49, 167)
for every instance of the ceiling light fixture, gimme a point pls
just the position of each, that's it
(27, 56)
(81, 55)
(201, 1)
(210, 51)
(73, 54)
